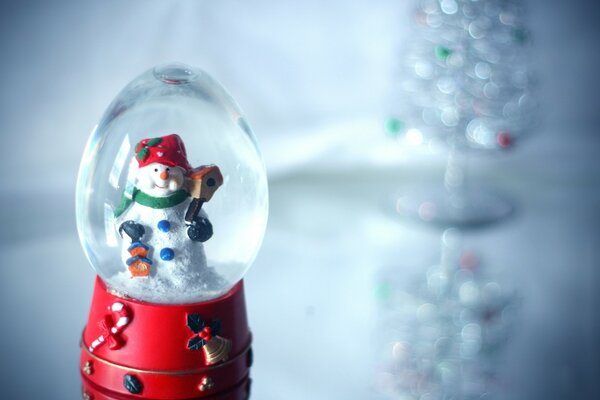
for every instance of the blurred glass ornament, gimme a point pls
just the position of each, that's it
(464, 83)
(443, 336)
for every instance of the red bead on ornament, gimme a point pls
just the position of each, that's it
(504, 139)
(469, 260)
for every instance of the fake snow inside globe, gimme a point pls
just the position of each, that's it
(172, 192)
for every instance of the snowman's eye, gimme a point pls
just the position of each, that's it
(168, 169)
(155, 169)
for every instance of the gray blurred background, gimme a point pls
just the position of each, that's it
(313, 78)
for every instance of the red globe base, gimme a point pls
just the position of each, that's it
(137, 350)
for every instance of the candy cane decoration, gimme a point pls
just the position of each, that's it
(110, 330)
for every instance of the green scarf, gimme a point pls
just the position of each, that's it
(146, 200)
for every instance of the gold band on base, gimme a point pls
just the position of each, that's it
(158, 372)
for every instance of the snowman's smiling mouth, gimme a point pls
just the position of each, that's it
(161, 187)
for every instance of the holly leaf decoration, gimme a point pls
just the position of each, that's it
(142, 154)
(153, 142)
(196, 343)
(215, 327)
(195, 322)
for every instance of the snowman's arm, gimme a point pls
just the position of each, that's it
(200, 230)
(132, 229)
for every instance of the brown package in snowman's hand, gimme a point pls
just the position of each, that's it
(202, 183)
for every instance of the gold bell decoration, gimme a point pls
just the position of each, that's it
(216, 348)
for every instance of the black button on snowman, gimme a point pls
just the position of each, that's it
(160, 217)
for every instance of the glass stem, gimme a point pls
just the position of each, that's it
(455, 178)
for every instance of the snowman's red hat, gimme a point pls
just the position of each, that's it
(167, 150)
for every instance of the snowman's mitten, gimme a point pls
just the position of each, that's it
(134, 230)
(200, 230)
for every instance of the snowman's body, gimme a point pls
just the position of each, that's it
(178, 265)
(166, 235)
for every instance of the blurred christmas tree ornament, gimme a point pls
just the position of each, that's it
(464, 82)
(443, 337)
(170, 242)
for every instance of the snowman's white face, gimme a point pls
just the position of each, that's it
(159, 180)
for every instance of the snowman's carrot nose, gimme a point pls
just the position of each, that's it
(164, 175)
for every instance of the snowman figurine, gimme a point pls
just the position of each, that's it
(161, 251)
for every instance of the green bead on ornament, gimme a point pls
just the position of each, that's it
(383, 292)
(442, 52)
(520, 35)
(393, 126)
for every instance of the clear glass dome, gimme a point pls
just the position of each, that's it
(136, 186)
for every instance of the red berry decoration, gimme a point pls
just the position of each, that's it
(216, 348)
(504, 139)
(206, 333)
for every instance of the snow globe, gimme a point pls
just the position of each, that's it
(171, 210)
